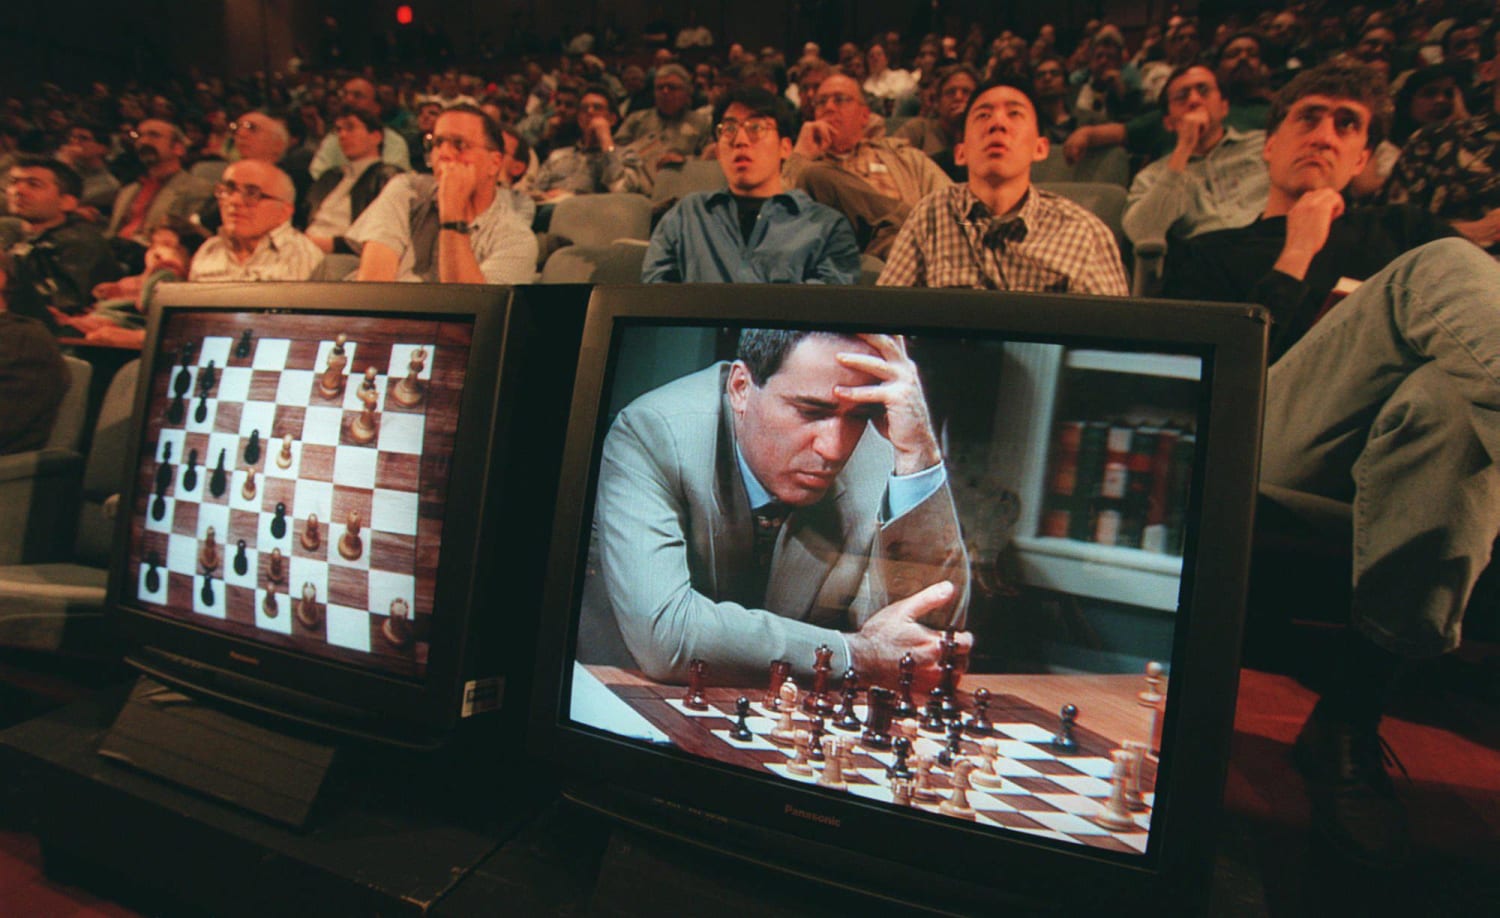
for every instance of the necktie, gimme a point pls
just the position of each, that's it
(1002, 231)
(768, 522)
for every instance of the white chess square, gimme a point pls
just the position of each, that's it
(175, 438)
(302, 571)
(259, 416)
(386, 587)
(354, 466)
(1071, 803)
(1013, 749)
(229, 445)
(282, 623)
(215, 609)
(1096, 766)
(1136, 840)
(400, 366)
(272, 462)
(294, 387)
(348, 628)
(356, 383)
(159, 595)
(182, 554)
(394, 511)
(233, 385)
(1029, 733)
(984, 803)
(1082, 784)
(1006, 786)
(401, 433)
(191, 422)
(169, 507)
(689, 712)
(321, 425)
(249, 578)
(270, 354)
(215, 349)
(1069, 824)
(326, 347)
(756, 741)
(784, 772)
(1010, 768)
(215, 516)
(312, 497)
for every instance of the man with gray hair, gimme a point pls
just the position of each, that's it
(671, 132)
(257, 241)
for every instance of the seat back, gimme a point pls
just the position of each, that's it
(617, 263)
(599, 219)
(68, 428)
(1107, 164)
(108, 465)
(869, 270)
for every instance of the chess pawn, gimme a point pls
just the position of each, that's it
(248, 490)
(307, 609)
(985, 775)
(1116, 814)
(274, 566)
(957, 805)
(351, 546)
(923, 789)
(783, 733)
(269, 606)
(1134, 799)
(397, 627)
(312, 533)
(368, 383)
(366, 424)
(801, 765)
(331, 383)
(208, 555)
(241, 561)
(284, 458)
(408, 391)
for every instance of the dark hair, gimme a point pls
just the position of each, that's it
(491, 129)
(1252, 34)
(763, 350)
(370, 122)
(1338, 80)
(67, 180)
(523, 149)
(763, 104)
(949, 71)
(1164, 99)
(602, 91)
(1020, 84)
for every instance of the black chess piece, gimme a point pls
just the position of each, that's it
(177, 410)
(815, 743)
(159, 507)
(182, 383)
(877, 733)
(953, 749)
(741, 730)
(242, 350)
(278, 523)
(153, 576)
(979, 724)
(241, 562)
(207, 593)
(252, 449)
(200, 414)
(207, 379)
(847, 719)
(905, 707)
(932, 718)
(164, 472)
(1064, 741)
(219, 480)
(899, 768)
(190, 474)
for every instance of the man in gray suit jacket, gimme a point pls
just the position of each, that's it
(166, 192)
(822, 444)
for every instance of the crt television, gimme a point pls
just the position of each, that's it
(1060, 737)
(331, 516)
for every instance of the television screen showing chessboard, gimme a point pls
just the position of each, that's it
(294, 469)
(941, 574)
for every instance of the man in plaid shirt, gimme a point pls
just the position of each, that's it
(998, 232)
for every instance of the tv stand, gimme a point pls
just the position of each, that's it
(203, 748)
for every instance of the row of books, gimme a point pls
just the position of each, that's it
(1114, 483)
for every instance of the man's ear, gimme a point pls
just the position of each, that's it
(960, 154)
(739, 386)
(68, 203)
(784, 148)
(1043, 148)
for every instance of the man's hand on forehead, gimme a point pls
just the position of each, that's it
(903, 418)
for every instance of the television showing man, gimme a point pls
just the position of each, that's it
(1214, 179)
(756, 231)
(454, 226)
(256, 241)
(760, 508)
(1386, 399)
(58, 257)
(997, 231)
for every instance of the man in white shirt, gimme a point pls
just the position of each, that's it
(341, 195)
(256, 241)
(360, 93)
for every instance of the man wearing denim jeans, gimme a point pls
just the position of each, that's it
(1389, 399)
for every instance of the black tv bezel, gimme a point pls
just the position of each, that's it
(302, 687)
(748, 815)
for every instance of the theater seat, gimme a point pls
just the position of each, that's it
(58, 605)
(618, 262)
(599, 219)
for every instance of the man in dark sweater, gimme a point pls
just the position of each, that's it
(1388, 398)
(33, 377)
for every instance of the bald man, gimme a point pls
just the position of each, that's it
(256, 241)
(359, 93)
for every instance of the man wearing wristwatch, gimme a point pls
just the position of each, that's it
(452, 226)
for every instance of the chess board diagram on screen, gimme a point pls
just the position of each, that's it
(293, 477)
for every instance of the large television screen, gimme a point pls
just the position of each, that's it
(324, 475)
(910, 563)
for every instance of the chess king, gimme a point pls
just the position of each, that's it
(759, 508)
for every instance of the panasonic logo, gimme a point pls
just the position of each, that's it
(813, 817)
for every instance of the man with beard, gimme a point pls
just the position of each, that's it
(165, 192)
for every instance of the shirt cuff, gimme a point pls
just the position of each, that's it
(904, 492)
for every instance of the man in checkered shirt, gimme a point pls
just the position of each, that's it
(998, 232)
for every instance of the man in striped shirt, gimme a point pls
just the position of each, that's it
(998, 232)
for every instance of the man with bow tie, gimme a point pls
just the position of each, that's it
(760, 508)
(998, 232)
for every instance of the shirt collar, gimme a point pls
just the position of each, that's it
(971, 211)
(754, 490)
(788, 198)
(358, 167)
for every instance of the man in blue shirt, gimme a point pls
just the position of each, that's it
(757, 231)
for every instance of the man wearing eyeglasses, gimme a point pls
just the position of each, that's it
(874, 181)
(670, 132)
(360, 93)
(165, 192)
(84, 150)
(757, 231)
(594, 164)
(256, 241)
(1214, 179)
(453, 226)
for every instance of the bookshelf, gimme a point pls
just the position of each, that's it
(1041, 385)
